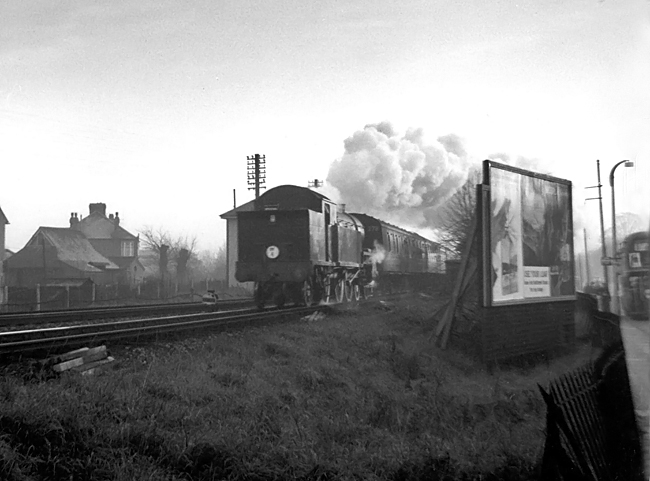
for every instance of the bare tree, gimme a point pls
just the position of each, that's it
(212, 265)
(458, 213)
(162, 246)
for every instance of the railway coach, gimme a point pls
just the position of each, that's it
(297, 245)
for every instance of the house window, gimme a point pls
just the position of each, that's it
(128, 249)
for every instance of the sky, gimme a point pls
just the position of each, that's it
(152, 107)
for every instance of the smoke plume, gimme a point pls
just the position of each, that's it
(398, 178)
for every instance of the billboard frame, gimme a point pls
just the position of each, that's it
(484, 198)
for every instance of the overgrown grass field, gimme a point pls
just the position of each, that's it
(349, 396)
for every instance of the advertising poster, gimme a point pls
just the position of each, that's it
(505, 231)
(531, 236)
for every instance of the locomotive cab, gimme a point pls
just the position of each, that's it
(288, 245)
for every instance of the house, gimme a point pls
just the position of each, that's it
(3, 222)
(112, 241)
(54, 254)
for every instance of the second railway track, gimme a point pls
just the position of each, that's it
(38, 341)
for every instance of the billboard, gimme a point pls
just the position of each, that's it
(530, 236)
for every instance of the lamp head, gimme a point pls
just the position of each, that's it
(629, 163)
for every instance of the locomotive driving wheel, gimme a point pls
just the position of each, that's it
(327, 289)
(258, 295)
(348, 290)
(339, 290)
(308, 293)
(356, 292)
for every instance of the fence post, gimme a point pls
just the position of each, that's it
(38, 297)
(67, 297)
(94, 292)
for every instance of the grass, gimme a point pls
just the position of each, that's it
(350, 396)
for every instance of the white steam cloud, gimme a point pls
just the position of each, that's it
(399, 178)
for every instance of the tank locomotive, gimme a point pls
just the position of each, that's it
(297, 245)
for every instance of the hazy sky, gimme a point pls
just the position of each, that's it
(153, 106)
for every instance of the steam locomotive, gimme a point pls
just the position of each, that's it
(297, 245)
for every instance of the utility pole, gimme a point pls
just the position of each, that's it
(315, 184)
(602, 225)
(256, 173)
(584, 233)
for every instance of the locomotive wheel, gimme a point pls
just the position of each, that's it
(327, 289)
(339, 290)
(258, 295)
(356, 292)
(348, 291)
(308, 293)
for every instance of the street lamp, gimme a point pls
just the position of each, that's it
(628, 163)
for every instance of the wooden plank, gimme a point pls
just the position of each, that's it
(93, 365)
(87, 356)
(64, 357)
(64, 366)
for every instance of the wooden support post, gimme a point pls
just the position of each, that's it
(462, 282)
(38, 297)
(67, 297)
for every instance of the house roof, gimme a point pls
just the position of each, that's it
(98, 226)
(3, 217)
(123, 262)
(63, 244)
(232, 214)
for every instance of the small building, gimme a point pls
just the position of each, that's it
(3, 221)
(111, 240)
(232, 232)
(55, 253)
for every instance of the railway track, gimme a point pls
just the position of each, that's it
(80, 315)
(56, 339)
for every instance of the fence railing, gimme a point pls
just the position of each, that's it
(86, 294)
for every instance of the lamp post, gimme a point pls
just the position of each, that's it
(628, 163)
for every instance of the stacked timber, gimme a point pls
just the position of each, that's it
(85, 360)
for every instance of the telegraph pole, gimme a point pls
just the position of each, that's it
(602, 226)
(256, 173)
(584, 233)
(315, 184)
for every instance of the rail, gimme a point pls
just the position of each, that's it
(76, 315)
(59, 338)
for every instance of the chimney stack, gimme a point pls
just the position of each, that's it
(117, 218)
(74, 220)
(99, 207)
